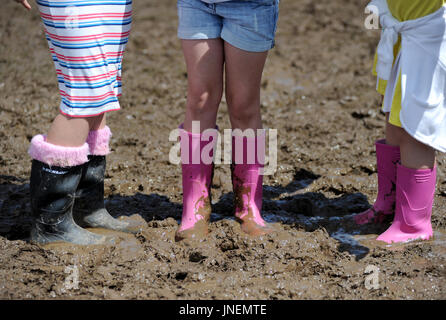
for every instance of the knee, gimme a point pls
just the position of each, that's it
(243, 108)
(203, 98)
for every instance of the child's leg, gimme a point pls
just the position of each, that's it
(415, 189)
(72, 132)
(414, 154)
(89, 209)
(89, 76)
(387, 158)
(204, 61)
(199, 28)
(247, 183)
(394, 134)
(55, 175)
(197, 179)
(243, 79)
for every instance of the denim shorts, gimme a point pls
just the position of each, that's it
(249, 25)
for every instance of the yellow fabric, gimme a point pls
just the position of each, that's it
(413, 9)
(404, 10)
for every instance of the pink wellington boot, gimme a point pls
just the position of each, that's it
(247, 184)
(387, 158)
(197, 178)
(415, 190)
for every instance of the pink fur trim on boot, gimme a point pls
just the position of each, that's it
(98, 141)
(58, 156)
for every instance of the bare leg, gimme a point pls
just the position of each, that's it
(243, 78)
(98, 122)
(415, 188)
(401, 147)
(414, 154)
(394, 134)
(72, 132)
(204, 61)
(60, 187)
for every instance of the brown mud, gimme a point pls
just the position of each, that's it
(317, 91)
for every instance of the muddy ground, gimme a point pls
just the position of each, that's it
(318, 93)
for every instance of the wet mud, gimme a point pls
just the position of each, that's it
(317, 92)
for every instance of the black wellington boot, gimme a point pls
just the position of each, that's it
(89, 209)
(52, 197)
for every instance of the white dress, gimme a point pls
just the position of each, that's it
(422, 65)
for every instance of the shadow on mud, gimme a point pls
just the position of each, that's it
(308, 211)
(15, 220)
(15, 211)
(311, 211)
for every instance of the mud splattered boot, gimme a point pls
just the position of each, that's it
(415, 191)
(55, 175)
(89, 208)
(197, 171)
(387, 158)
(247, 183)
